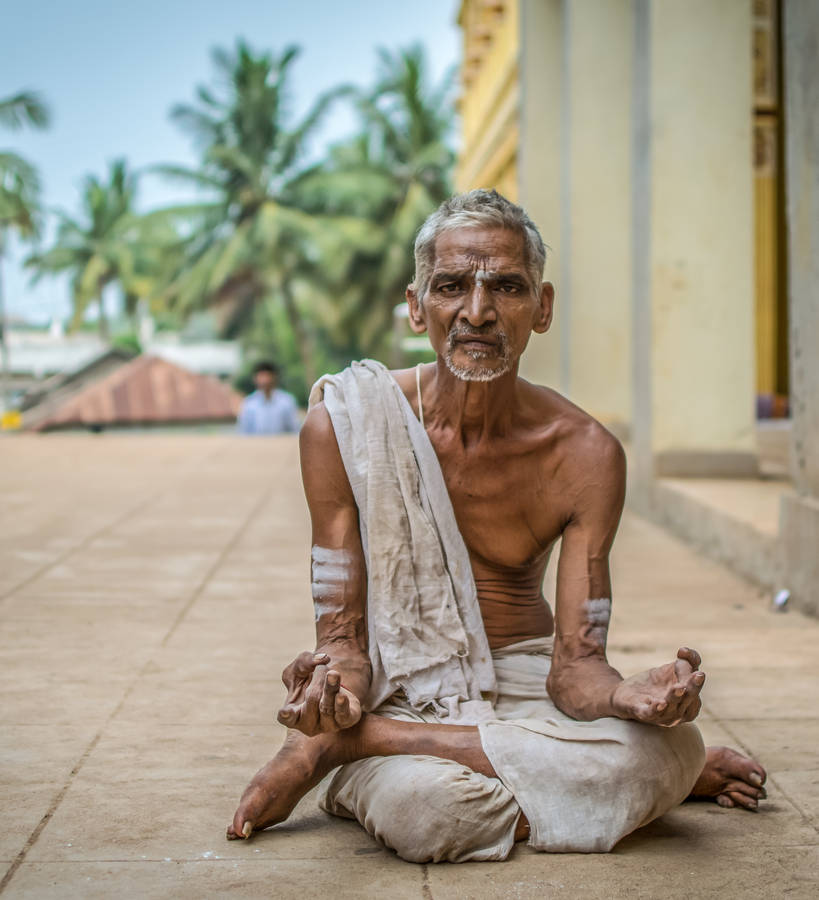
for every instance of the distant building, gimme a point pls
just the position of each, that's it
(221, 359)
(115, 391)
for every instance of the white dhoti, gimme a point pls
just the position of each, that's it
(582, 785)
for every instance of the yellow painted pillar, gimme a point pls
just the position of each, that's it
(598, 44)
(539, 165)
(693, 239)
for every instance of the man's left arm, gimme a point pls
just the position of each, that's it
(581, 682)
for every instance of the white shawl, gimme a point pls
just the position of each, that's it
(426, 635)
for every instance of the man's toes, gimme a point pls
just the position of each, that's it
(757, 775)
(725, 801)
(748, 790)
(746, 769)
(743, 800)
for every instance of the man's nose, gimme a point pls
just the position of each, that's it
(479, 306)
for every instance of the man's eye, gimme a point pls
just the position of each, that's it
(448, 288)
(509, 287)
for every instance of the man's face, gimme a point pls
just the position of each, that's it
(481, 305)
(265, 381)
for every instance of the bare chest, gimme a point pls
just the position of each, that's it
(508, 513)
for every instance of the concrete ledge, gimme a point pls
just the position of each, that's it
(799, 530)
(709, 516)
(705, 464)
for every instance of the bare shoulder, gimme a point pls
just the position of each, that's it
(317, 427)
(322, 468)
(579, 441)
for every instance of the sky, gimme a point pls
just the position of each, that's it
(110, 72)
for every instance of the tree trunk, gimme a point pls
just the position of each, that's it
(103, 320)
(304, 340)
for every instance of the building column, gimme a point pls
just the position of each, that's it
(799, 523)
(539, 167)
(692, 239)
(599, 40)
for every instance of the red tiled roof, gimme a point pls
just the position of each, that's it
(147, 390)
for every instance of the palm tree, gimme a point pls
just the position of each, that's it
(395, 172)
(19, 188)
(254, 238)
(101, 246)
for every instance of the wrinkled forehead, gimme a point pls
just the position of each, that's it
(487, 249)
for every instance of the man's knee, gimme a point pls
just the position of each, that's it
(668, 761)
(427, 809)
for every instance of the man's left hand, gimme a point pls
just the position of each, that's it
(667, 695)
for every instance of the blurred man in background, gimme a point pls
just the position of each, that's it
(269, 409)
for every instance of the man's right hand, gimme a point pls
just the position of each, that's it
(316, 702)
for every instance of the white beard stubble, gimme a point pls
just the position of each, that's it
(478, 372)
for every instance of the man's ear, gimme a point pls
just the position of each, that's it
(416, 311)
(543, 316)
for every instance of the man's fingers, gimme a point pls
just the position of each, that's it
(327, 704)
(311, 711)
(305, 662)
(302, 668)
(288, 716)
(690, 656)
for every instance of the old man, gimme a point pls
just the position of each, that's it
(456, 713)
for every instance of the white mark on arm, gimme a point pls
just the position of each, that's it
(598, 613)
(330, 571)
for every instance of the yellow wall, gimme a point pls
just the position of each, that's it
(597, 168)
(695, 280)
(490, 98)
(539, 165)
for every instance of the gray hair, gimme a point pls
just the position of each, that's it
(476, 209)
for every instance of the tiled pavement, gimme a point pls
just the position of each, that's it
(152, 587)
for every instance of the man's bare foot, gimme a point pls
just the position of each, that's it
(731, 779)
(277, 787)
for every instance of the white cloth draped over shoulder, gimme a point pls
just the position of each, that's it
(426, 635)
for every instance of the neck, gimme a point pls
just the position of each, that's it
(473, 410)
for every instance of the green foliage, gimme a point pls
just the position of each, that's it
(25, 108)
(106, 244)
(392, 174)
(303, 261)
(19, 182)
(127, 340)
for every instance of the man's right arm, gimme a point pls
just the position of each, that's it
(325, 688)
(244, 422)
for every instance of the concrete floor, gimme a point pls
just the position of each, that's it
(153, 587)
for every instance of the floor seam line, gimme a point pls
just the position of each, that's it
(426, 891)
(223, 554)
(85, 542)
(88, 540)
(38, 828)
(771, 778)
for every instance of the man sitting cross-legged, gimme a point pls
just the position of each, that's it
(460, 714)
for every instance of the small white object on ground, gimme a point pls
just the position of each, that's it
(780, 600)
